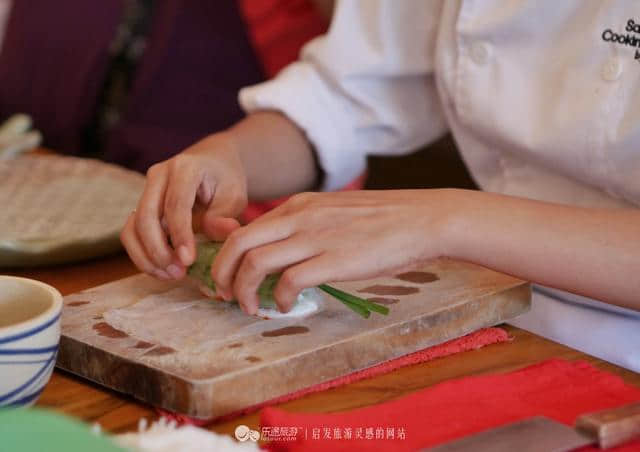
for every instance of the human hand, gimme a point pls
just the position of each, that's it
(16, 136)
(158, 235)
(316, 238)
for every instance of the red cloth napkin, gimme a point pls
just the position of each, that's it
(557, 389)
(472, 341)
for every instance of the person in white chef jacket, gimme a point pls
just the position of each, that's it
(543, 99)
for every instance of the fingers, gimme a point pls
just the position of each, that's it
(230, 201)
(219, 228)
(182, 187)
(260, 262)
(136, 252)
(205, 172)
(242, 240)
(310, 273)
(148, 226)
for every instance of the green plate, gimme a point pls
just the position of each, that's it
(37, 430)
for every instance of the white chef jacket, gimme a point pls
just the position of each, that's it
(542, 98)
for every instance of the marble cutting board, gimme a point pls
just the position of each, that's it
(164, 344)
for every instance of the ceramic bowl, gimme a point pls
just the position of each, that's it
(29, 336)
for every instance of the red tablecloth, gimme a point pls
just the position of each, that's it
(557, 389)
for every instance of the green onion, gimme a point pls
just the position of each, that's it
(201, 270)
(358, 309)
(349, 298)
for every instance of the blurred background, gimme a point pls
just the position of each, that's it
(133, 82)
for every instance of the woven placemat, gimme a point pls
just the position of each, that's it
(59, 209)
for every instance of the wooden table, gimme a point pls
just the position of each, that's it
(118, 413)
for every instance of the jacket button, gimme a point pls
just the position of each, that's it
(611, 70)
(479, 53)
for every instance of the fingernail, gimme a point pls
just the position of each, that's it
(160, 274)
(184, 255)
(174, 271)
(226, 296)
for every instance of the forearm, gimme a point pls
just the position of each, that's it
(277, 158)
(592, 252)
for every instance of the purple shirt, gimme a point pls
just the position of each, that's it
(55, 57)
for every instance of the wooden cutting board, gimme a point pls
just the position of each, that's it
(164, 344)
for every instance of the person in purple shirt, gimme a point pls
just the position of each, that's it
(135, 81)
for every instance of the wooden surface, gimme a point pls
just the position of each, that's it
(117, 413)
(167, 345)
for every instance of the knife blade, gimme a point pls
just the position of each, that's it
(607, 428)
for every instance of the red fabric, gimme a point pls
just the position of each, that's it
(279, 28)
(471, 341)
(558, 389)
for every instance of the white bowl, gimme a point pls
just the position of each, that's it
(29, 336)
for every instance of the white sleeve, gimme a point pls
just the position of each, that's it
(366, 87)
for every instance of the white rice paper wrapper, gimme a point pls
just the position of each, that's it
(309, 301)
